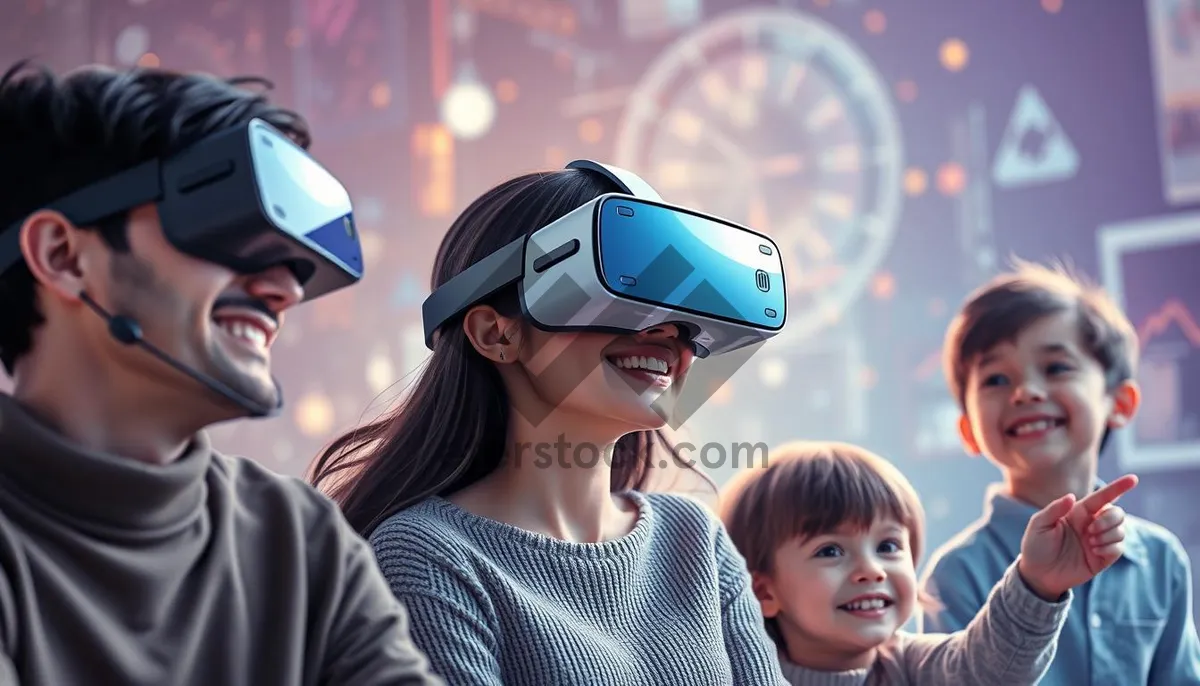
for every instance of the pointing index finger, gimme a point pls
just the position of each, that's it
(1096, 501)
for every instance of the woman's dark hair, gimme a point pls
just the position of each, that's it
(451, 430)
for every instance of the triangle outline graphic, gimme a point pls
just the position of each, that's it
(1060, 159)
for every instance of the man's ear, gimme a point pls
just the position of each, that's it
(967, 434)
(764, 590)
(1127, 397)
(491, 334)
(51, 246)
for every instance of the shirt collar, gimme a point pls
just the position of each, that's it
(1010, 517)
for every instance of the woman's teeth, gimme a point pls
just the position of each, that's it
(650, 364)
(246, 332)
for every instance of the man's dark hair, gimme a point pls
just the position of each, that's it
(1003, 308)
(60, 133)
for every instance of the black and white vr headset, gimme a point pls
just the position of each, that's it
(247, 198)
(627, 262)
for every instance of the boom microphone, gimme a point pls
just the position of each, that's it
(126, 330)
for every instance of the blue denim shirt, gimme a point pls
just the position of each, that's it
(1132, 624)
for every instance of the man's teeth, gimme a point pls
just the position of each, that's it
(650, 364)
(1030, 427)
(871, 604)
(244, 331)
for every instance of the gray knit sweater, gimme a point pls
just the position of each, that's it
(668, 603)
(1011, 642)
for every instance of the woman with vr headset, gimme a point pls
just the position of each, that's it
(505, 501)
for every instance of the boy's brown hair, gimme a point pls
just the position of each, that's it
(1003, 308)
(813, 488)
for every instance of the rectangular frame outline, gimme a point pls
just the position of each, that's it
(1170, 192)
(1115, 241)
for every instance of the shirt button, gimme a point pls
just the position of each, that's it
(1096, 621)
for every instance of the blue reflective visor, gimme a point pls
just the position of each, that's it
(683, 260)
(247, 198)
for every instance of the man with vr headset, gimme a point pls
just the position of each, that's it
(154, 229)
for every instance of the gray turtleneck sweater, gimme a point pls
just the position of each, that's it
(208, 570)
(1011, 642)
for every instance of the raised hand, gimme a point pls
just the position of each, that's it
(1068, 542)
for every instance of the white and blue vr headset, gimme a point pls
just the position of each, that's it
(626, 262)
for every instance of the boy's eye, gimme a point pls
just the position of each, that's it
(828, 551)
(1058, 368)
(994, 380)
(890, 546)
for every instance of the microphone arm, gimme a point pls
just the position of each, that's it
(126, 330)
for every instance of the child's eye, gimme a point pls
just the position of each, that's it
(994, 380)
(890, 546)
(1058, 368)
(828, 551)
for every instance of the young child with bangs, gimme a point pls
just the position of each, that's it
(832, 534)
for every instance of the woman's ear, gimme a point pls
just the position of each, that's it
(491, 333)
